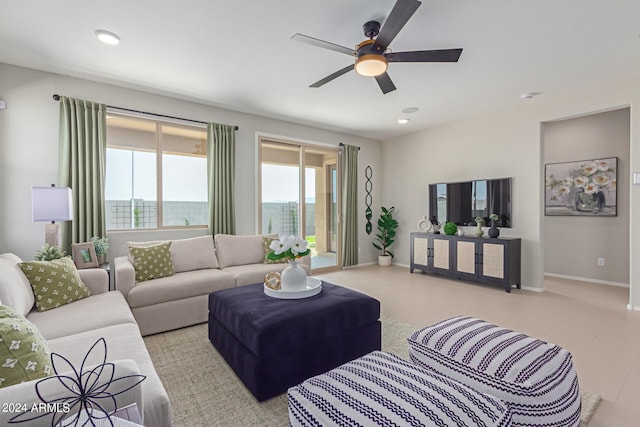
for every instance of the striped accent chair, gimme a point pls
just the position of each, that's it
(382, 389)
(535, 378)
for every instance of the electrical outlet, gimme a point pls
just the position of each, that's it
(600, 262)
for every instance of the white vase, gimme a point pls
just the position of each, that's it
(293, 277)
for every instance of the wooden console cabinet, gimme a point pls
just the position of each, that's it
(466, 257)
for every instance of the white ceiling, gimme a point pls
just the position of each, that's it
(238, 55)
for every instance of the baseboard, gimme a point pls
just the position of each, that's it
(588, 279)
(633, 307)
(529, 288)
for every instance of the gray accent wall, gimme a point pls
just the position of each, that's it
(573, 244)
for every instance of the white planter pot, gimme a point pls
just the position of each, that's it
(384, 260)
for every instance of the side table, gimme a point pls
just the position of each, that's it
(107, 267)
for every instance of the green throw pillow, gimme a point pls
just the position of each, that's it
(152, 262)
(24, 354)
(54, 283)
(267, 249)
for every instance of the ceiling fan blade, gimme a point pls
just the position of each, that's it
(443, 55)
(400, 14)
(385, 83)
(323, 44)
(333, 76)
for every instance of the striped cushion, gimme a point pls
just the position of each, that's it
(382, 389)
(535, 378)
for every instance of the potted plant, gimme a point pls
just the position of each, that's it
(387, 227)
(450, 228)
(101, 245)
(49, 253)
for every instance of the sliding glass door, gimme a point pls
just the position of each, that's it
(298, 193)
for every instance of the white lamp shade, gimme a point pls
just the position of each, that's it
(51, 204)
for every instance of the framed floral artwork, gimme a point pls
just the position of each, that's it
(582, 188)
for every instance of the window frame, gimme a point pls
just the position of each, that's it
(159, 152)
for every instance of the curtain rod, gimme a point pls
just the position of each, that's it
(342, 145)
(56, 97)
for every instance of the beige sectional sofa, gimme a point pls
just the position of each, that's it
(201, 267)
(70, 330)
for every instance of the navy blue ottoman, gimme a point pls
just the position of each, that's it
(273, 344)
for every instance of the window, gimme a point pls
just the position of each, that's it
(156, 174)
(298, 194)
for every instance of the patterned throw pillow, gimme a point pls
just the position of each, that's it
(152, 262)
(24, 354)
(54, 283)
(267, 249)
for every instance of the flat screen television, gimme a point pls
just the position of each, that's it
(462, 202)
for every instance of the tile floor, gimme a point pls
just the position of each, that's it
(590, 320)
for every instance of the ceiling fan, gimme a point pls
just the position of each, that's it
(372, 56)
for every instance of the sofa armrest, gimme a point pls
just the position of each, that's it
(23, 396)
(125, 275)
(96, 279)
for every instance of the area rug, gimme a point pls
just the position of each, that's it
(205, 392)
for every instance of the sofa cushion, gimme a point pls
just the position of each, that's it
(196, 253)
(254, 273)
(15, 290)
(267, 249)
(97, 311)
(123, 342)
(24, 353)
(183, 285)
(54, 283)
(152, 262)
(239, 250)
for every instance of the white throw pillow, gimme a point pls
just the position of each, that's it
(15, 290)
(196, 253)
(239, 250)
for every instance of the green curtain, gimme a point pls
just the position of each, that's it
(82, 155)
(221, 166)
(349, 168)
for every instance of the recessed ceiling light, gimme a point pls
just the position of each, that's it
(529, 95)
(410, 110)
(107, 37)
(403, 121)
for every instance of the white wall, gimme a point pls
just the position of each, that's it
(502, 144)
(29, 152)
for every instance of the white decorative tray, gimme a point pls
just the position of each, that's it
(314, 286)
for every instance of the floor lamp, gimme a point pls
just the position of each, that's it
(52, 204)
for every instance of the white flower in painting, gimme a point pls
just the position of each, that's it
(567, 181)
(562, 190)
(298, 245)
(603, 165)
(278, 246)
(601, 180)
(590, 188)
(590, 168)
(548, 181)
(580, 181)
(554, 194)
(613, 184)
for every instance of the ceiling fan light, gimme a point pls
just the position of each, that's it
(371, 65)
(107, 37)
